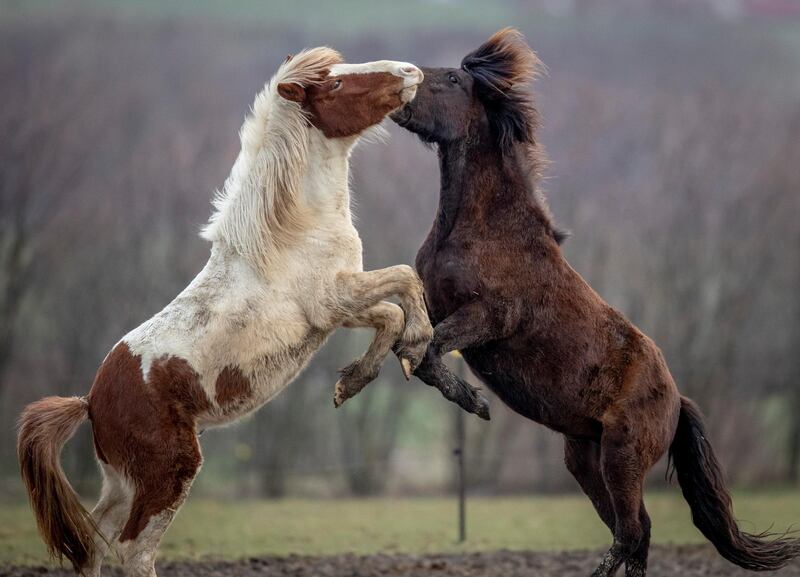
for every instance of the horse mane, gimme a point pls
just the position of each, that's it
(502, 68)
(260, 209)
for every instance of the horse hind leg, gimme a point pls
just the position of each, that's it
(109, 515)
(141, 536)
(162, 484)
(139, 554)
(636, 565)
(623, 466)
(582, 457)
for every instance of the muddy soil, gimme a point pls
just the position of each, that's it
(685, 561)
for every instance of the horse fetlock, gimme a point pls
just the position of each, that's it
(611, 562)
(413, 344)
(354, 377)
(470, 399)
(621, 552)
(480, 404)
(411, 355)
(636, 567)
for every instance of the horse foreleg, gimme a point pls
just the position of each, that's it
(388, 321)
(358, 291)
(470, 325)
(433, 372)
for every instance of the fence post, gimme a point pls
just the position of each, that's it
(458, 452)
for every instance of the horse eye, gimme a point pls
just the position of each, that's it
(454, 79)
(337, 84)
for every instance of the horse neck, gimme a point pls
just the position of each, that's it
(319, 200)
(325, 185)
(478, 181)
(456, 184)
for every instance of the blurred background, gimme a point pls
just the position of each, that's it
(674, 131)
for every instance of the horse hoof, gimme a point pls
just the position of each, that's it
(406, 365)
(483, 409)
(338, 394)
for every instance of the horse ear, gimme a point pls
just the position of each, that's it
(292, 91)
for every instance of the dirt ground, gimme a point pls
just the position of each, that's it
(686, 561)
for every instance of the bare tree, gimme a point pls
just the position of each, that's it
(49, 134)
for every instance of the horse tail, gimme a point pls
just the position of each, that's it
(701, 480)
(65, 525)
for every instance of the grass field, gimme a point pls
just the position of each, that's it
(239, 529)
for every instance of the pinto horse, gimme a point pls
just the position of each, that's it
(499, 290)
(285, 270)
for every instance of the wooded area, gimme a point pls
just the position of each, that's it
(676, 164)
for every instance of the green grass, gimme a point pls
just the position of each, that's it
(239, 529)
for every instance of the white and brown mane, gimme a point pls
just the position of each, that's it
(285, 271)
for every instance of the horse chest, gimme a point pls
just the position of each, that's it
(449, 281)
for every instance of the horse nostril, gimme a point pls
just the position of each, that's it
(410, 70)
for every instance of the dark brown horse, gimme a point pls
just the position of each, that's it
(499, 290)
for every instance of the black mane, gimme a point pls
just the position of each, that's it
(501, 68)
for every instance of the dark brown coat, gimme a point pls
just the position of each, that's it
(499, 290)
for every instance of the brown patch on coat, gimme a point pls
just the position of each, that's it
(348, 104)
(146, 430)
(231, 387)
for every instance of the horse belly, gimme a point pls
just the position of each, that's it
(273, 371)
(253, 380)
(538, 399)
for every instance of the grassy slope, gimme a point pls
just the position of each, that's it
(240, 529)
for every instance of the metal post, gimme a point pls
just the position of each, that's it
(458, 452)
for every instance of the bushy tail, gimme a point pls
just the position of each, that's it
(65, 525)
(703, 486)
